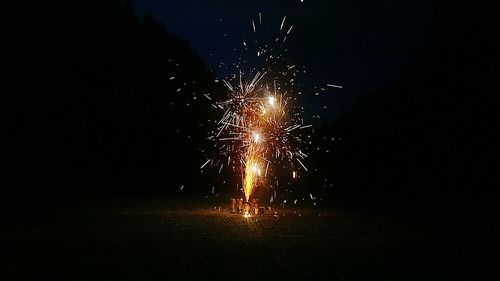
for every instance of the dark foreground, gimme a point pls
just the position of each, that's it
(164, 240)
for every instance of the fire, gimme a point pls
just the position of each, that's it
(252, 173)
(256, 137)
(256, 148)
(271, 100)
(262, 127)
(260, 131)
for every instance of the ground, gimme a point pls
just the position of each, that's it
(124, 239)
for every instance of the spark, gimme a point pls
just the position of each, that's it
(256, 137)
(282, 23)
(302, 164)
(205, 164)
(271, 100)
(334, 86)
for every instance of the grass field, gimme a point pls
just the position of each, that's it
(165, 240)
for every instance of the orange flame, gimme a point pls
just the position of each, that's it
(271, 113)
(252, 172)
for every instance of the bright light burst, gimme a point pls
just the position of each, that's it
(259, 132)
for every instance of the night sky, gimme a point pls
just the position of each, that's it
(360, 44)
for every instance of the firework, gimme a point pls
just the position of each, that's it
(260, 131)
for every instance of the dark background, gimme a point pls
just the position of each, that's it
(359, 44)
(90, 110)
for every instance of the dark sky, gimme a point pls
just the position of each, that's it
(359, 44)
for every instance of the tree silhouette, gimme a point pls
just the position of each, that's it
(109, 105)
(427, 143)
